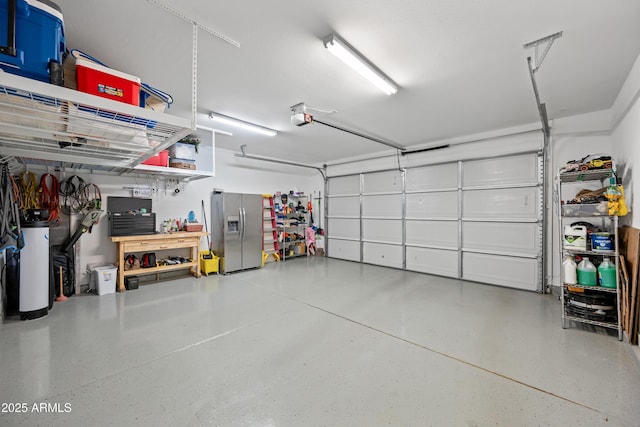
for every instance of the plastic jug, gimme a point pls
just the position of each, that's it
(569, 268)
(587, 273)
(607, 274)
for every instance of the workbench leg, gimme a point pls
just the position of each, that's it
(196, 257)
(121, 287)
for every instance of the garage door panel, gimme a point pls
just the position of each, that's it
(383, 206)
(433, 261)
(509, 203)
(432, 177)
(433, 233)
(517, 238)
(381, 254)
(382, 230)
(432, 205)
(502, 171)
(344, 185)
(344, 228)
(344, 206)
(520, 273)
(343, 249)
(382, 182)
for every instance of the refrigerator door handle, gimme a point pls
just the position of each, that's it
(242, 223)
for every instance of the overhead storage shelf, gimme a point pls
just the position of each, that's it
(43, 125)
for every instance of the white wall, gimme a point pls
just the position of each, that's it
(232, 175)
(626, 134)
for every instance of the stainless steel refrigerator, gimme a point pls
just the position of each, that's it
(236, 230)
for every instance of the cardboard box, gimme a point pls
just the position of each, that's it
(182, 164)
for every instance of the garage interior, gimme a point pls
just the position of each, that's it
(424, 284)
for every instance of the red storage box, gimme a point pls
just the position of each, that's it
(160, 159)
(106, 82)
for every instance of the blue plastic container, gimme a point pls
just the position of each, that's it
(39, 38)
(602, 242)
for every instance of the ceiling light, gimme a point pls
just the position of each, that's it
(347, 53)
(220, 118)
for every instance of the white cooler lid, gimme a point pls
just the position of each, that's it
(80, 62)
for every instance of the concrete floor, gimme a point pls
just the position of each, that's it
(314, 342)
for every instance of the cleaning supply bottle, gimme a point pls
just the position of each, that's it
(607, 274)
(569, 270)
(587, 273)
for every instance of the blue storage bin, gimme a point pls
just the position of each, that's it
(39, 38)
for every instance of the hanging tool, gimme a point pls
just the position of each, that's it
(49, 197)
(206, 229)
(90, 218)
(10, 234)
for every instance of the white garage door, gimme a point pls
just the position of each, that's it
(382, 207)
(343, 218)
(478, 220)
(432, 219)
(501, 222)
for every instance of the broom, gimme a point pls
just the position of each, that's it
(206, 229)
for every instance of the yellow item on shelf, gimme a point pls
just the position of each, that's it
(616, 205)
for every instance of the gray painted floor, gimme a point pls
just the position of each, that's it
(315, 342)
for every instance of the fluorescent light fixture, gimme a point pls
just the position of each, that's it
(220, 118)
(347, 53)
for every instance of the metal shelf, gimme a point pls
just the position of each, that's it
(185, 174)
(589, 252)
(588, 175)
(593, 322)
(577, 177)
(593, 288)
(43, 125)
(293, 256)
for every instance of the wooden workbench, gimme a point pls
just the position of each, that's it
(156, 243)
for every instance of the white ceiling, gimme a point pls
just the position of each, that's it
(460, 64)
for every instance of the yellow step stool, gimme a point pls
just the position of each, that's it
(209, 265)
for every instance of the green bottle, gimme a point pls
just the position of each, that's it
(607, 274)
(587, 273)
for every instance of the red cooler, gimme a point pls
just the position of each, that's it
(106, 82)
